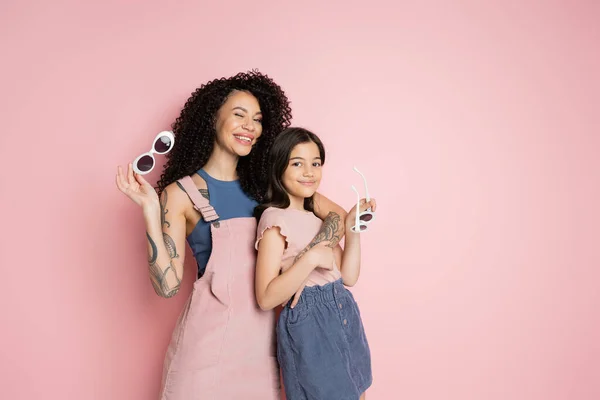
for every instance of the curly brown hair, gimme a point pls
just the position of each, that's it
(195, 131)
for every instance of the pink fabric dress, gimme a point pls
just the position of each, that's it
(223, 346)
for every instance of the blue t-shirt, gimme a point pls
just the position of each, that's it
(229, 201)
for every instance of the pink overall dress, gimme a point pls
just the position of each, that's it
(223, 346)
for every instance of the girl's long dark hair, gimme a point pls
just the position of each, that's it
(279, 158)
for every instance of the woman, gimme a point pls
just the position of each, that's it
(223, 344)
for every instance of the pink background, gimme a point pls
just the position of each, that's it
(477, 124)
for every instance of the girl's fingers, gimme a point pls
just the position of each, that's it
(373, 205)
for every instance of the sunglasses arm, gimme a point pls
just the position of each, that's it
(367, 197)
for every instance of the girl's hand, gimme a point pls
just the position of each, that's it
(136, 188)
(351, 217)
(297, 295)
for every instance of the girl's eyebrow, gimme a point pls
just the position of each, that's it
(300, 158)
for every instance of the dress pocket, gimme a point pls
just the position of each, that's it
(213, 285)
(297, 315)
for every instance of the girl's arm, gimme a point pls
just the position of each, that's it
(273, 288)
(350, 266)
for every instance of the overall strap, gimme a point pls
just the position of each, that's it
(201, 204)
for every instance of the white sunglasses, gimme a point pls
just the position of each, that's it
(366, 217)
(163, 143)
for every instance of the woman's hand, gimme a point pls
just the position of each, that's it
(321, 256)
(137, 188)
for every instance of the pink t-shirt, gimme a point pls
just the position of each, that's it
(299, 228)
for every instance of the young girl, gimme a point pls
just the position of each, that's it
(321, 344)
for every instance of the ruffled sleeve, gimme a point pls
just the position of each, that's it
(270, 218)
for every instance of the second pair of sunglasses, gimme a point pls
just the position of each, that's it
(364, 218)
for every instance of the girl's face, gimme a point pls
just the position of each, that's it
(239, 123)
(302, 176)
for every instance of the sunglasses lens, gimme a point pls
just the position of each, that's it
(145, 163)
(359, 228)
(366, 217)
(163, 144)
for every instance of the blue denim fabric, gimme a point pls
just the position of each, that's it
(321, 346)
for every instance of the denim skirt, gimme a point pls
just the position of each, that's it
(321, 346)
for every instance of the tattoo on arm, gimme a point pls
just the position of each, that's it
(163, 209)
(328, 232)
(159, 281)
(158, 275)
(170, 244)
(153, 250)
